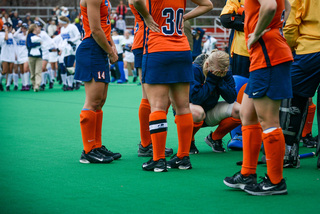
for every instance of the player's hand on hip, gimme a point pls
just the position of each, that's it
(253, 38)
(152, 25)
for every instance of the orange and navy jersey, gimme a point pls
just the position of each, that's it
(138, 29)
(271, 49)
(168, 15)
(105, 9)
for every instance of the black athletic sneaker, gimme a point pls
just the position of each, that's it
(64, 87)
(8, 88)
(77, 86)
(193, 148)
(309, 141)
(103, 150)
(42, 87)
(291, 157)
(15, 88)
(239, 181)
(156, 166)
(1, 87)
(148, 151)
(94, 156)
(265, 187)
(176, 162)
(216, 145)
(51, 85)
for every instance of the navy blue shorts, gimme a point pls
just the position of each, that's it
(305, 74)
(274, 82)
(69, 60)
(138, 54)
(167, 67)
(91, 62)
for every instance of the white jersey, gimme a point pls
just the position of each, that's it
(8, 48)
(119, 42)
(128, 55)
(71, 34)
(209, 45)
(59, 44)
(53, 56)
(21, 49)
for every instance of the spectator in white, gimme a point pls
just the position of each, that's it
(22, 56)
(6, 19)
(19, 25)
(121, 25)
(119, 42)
(128, 59)
(46, 44)
(8, 46)
(52, 28)
(209, 45)
(71, 40)
(64, 11)
(113, 19)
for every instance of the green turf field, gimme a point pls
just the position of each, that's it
(40, 170)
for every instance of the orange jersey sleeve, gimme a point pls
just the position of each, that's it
(168, 15)
(138, 29)
(271, 49)
(105, 9)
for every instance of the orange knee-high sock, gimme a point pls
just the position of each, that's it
(158, 129)
(274, 145)
(196, 127)
(184, 127)
(88, 124)
(252, 140)
(240, 93)
(144, 112)
(99, 116)
(225, 126)
(309, 121)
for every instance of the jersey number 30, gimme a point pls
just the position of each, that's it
(173, 21)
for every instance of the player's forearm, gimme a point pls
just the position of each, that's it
(266, 14)
(141, 7)
(100, 38)
(203, 7)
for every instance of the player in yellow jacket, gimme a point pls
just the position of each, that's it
(302, 34)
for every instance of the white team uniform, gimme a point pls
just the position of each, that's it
(8, 48)
(72, 34)
(209, 45)
(21, 50)
(119, 42)
(46, 44)
(53, 56)
(128, 55)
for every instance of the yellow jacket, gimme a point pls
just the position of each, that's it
(302, 29)
(238, 45)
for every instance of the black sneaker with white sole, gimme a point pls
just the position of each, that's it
(265, 187)
(106, 152)
(309, 141)
(216, 145)
(156, 166)
(94, 156)
(148, 151)
(193, 148)
(239, 181)
(176, 162)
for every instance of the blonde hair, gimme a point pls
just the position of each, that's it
(65, 19)
(32, 27)
(217, 61)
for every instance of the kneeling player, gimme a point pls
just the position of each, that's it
(212, 80)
